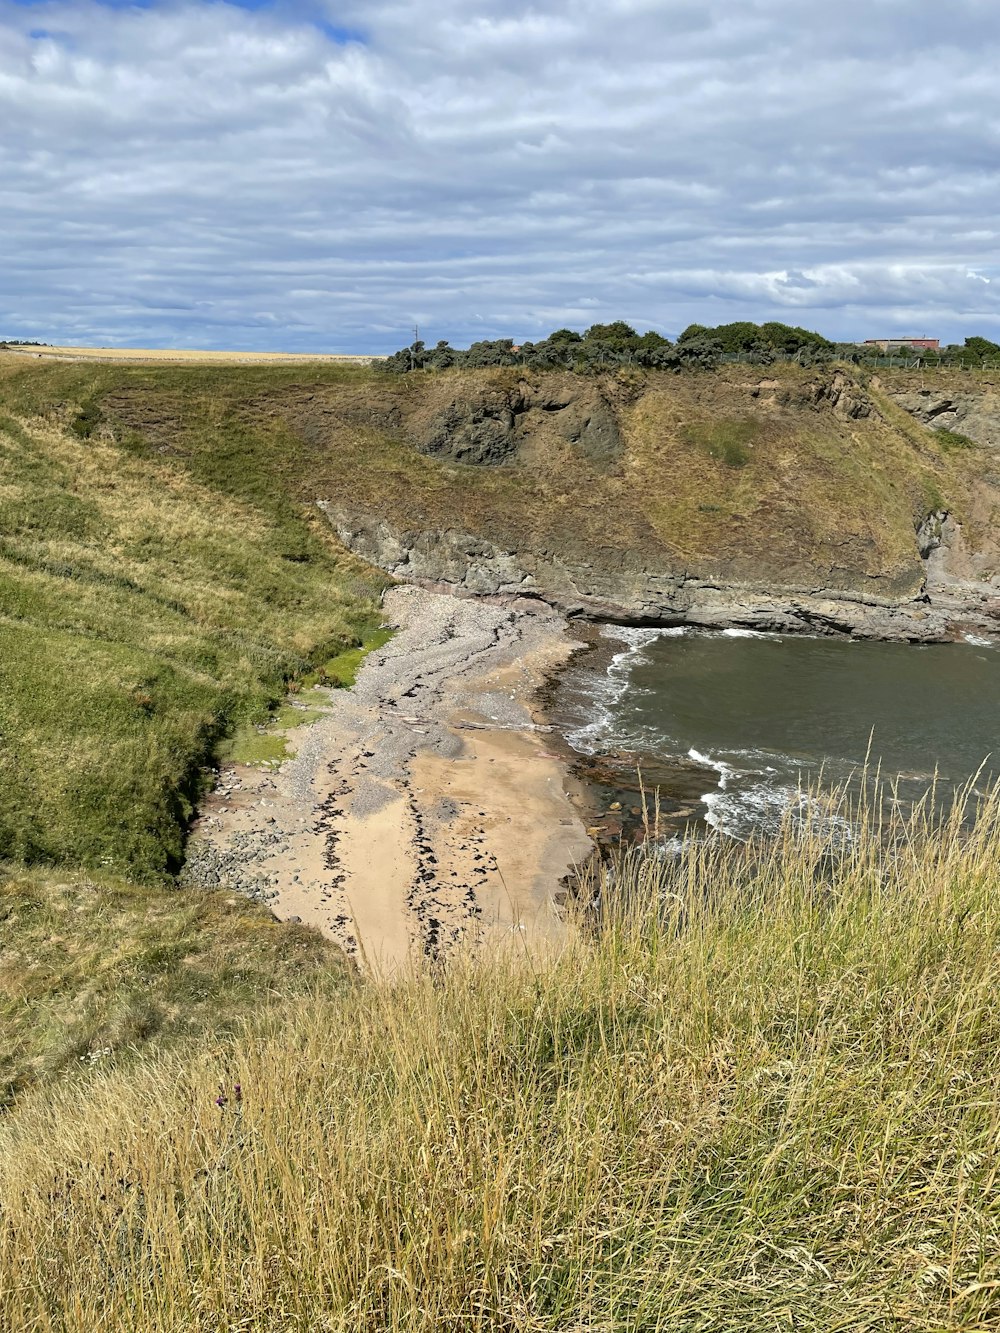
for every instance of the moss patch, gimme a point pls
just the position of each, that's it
(342, 670)
(268, 743)
(254, 748)
(953, 439)
(729, 441)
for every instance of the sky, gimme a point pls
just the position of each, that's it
(315, 175)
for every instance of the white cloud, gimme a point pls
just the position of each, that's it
(321, 175)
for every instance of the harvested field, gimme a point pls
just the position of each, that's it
(185, 356)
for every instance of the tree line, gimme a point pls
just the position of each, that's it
(700, 346)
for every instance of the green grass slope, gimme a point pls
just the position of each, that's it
(95, 971)
(144, 613)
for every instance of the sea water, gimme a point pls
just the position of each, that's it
(771, 716)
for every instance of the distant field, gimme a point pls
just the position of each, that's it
(184, 355)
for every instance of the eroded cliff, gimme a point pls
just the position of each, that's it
(788, 498)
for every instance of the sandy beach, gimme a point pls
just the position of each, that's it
(425, 810)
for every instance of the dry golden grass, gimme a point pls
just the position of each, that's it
(763, 1097)
(182, 356)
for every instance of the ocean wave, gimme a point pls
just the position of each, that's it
(605, 692)
(748, 802)
(749, 634)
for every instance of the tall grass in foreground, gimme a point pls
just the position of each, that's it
(763, 1096)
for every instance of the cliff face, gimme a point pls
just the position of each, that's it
(794, 502)
(790, 498)
(972, 413)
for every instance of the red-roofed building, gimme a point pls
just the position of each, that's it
(895, 344)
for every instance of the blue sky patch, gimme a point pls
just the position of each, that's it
(323, 174)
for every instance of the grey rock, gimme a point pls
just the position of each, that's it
(975, 415)
(928, 605)
(489, 427)
(479, 429)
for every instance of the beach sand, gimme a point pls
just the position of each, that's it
(426, 810)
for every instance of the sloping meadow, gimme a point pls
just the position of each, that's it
(143, 614)
(763, 1095)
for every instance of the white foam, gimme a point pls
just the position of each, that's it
(742, 804)
(724, 770)
(713, 800)
(675, 845)
(748, 634)
(978, 640)
(607, 691)
(759, 807)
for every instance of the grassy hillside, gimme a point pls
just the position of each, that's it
(762, 1096)
(768, 1103)
(754, 475)
(144, 612)
(96, 970)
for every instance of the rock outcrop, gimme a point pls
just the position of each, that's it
(474, 428)
(973, 414)
(488, 426)
(609, 587)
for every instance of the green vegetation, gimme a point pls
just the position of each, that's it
(977, 346)
(259, 743)
(953, 439)
(256, 747)
(342, 670)
(764, 1097)
(698, 347)
(603, 346)
(760, 343)
(86, 420)
(149, 605)
(727, 441)
(267, 743)
(93, 970)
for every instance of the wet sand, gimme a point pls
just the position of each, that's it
(427, 809)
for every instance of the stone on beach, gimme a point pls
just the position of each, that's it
(421, 838)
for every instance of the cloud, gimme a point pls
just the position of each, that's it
(320, 175)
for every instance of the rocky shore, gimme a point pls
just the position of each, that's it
(426, 809)
(956, 592)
